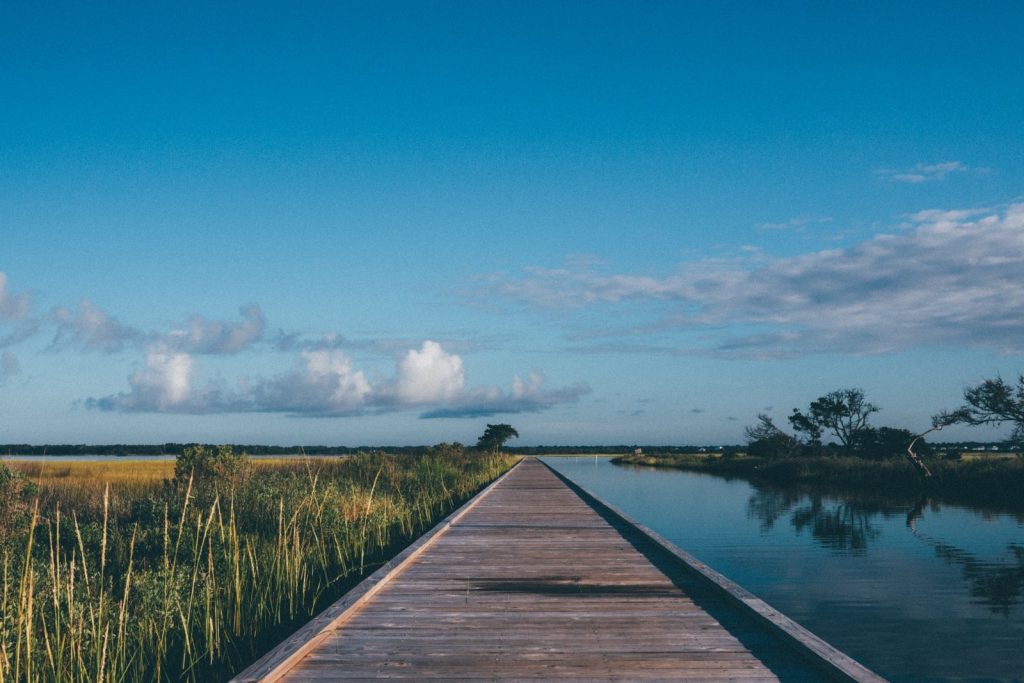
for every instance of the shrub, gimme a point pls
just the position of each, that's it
(212, 465)
(16, 493)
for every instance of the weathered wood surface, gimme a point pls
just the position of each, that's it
(534, 582)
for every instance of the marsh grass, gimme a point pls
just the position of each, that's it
(121, 574)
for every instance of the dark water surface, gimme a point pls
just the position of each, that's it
(916, 590)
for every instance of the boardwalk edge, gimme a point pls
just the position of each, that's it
(832, 661)
(276, 663)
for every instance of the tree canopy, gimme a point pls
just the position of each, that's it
(843, 412)
(768, 441)
(993, 401)
(495, 436)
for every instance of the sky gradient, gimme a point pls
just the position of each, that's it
(601, 222)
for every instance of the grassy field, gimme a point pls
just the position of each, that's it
(99, 471)
(50, 473)
(117, 571)
(989, 456)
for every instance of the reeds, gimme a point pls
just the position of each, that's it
(192, 581)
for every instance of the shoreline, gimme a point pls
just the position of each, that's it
(996, 485)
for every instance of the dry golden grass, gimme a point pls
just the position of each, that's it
(986, 456)
(101, 472)
(115, 472)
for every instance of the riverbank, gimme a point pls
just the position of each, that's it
(982, 482)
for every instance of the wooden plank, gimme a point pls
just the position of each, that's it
(835, 662)
(271, 666)
(532, 581)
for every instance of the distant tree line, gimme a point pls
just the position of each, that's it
(177, 449)
(839, 423)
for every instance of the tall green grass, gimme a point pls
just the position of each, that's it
(192, 580)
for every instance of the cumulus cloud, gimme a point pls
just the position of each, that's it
(945, 278)
(325, 383)
(526, 396)
(322, 382)
(91, 328)
(922, 173)
(429, 375)
(202, 336)
(164, 385)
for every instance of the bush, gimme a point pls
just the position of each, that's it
(206, 465)
(886, 443)
(16, 493)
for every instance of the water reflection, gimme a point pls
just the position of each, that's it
(847, 526)
(999, 586)
(928, 595)
(841, 526)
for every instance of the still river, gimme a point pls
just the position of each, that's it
(914, 589)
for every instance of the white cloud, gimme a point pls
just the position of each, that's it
(9, 366)
(326, 383)
(526, 396)
(163, 385)
(947, 278)
(15, 310)
(92, 328)
(429, 375)
(922, 173)
(798, 223)
(321, 383)
(203, 336)
(13, 306)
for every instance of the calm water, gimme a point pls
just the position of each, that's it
(916, 592)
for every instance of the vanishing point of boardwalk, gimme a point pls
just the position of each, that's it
(532, 581)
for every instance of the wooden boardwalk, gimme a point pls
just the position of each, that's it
(533, 581)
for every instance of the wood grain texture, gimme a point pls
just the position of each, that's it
(535, 582)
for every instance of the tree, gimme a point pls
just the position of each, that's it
(993, 401)
(768, 441)
(495, 436)
(206, 464)
(843, 412)
(886, 442)
(447, 450)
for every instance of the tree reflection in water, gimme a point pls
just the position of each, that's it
(845, 526)
(842, 527)
(999, 585)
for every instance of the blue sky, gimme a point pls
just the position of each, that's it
(601, 222)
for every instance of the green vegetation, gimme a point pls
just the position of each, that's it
(148, 577)
(844, 413)
(495, 436)
(983, 481)
(868, 459)
(991, 402)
